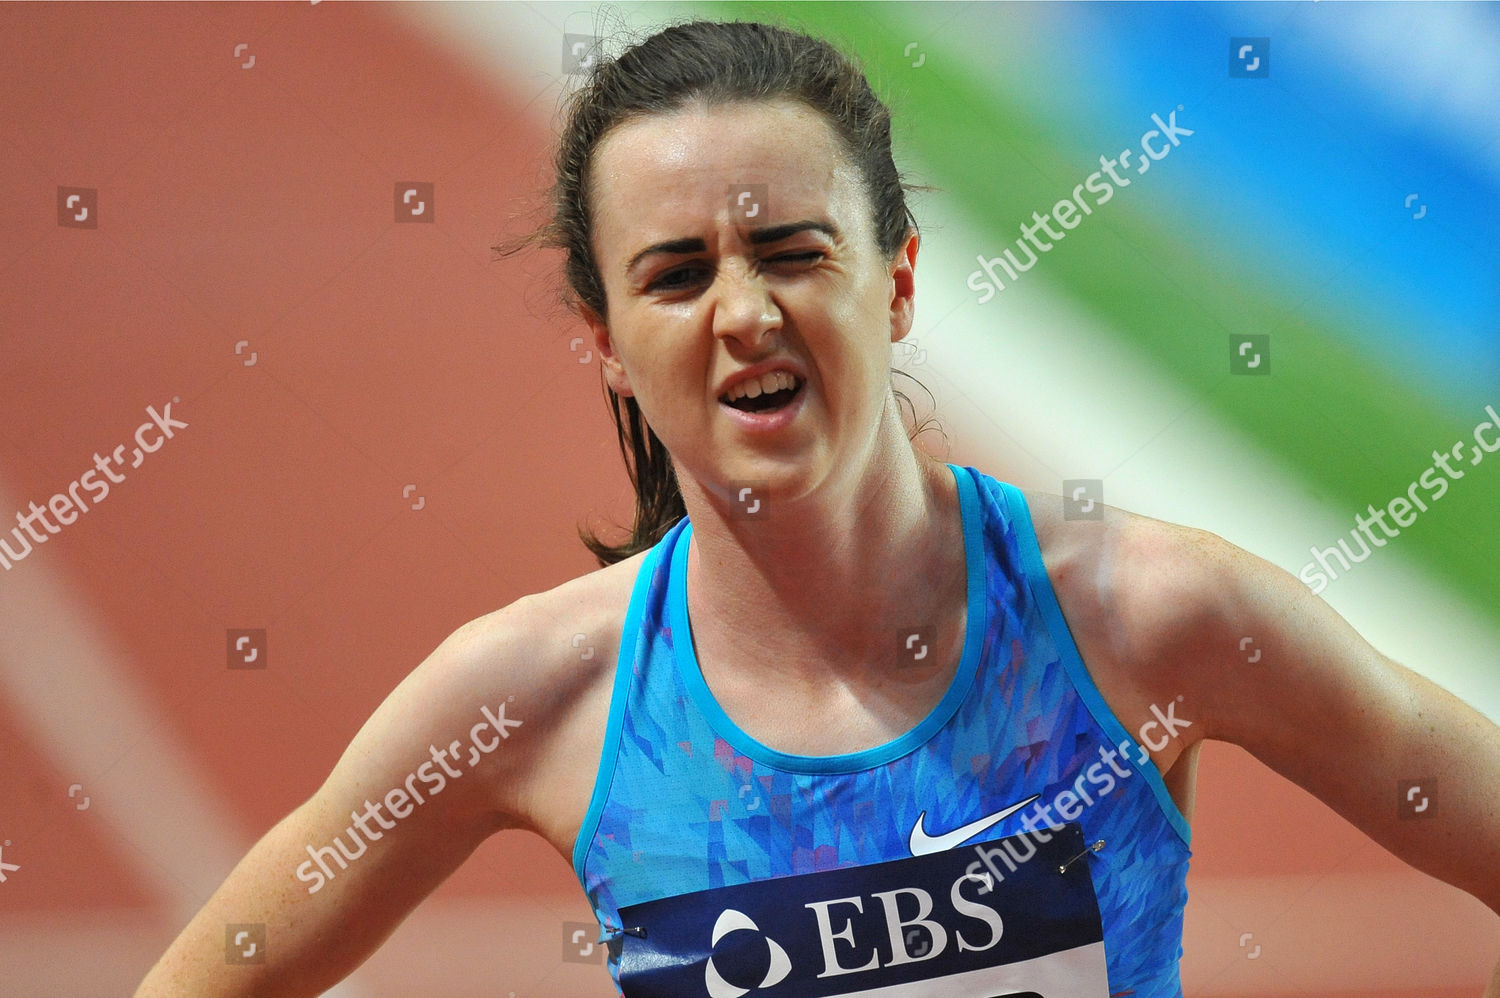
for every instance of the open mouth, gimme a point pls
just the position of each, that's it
(766, 401)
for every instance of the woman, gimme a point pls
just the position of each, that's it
(855, 720)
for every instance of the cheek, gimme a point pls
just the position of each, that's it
(666, 375)
(860, 330)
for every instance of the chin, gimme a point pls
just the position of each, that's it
(779, 474)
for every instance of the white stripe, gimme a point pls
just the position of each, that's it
(70, 684)
(69, 680)
(1030, 383)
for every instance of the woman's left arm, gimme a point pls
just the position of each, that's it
(1407, 762)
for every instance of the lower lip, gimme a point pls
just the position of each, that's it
(766, 422)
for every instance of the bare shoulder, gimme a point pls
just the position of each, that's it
(1144, 572)
(551, 657)
(1139, 596)
(549, 644)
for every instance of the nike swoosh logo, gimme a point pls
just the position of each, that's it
(922, 844)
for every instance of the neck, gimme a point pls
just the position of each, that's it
(828, 577)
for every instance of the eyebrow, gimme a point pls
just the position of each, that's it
(766, 234)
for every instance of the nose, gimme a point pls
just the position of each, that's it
(744, 308)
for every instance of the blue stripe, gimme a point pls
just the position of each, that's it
(1329, 227)
(1041, 588)
(630, 639)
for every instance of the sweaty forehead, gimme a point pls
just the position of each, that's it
(676, 169)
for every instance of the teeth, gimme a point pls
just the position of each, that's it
(765, 384)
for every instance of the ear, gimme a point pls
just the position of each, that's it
(904, 288)
(609, 360)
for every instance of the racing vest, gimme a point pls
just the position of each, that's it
(1016, 841)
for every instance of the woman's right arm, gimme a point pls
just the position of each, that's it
(394, 802)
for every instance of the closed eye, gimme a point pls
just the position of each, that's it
(663, 283)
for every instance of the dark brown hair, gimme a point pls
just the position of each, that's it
(716, 63)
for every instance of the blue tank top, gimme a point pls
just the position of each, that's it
(1016, 828)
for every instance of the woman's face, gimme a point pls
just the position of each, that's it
(694, 299)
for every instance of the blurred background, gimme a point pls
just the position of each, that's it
(388, 432)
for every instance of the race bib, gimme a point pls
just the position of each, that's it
(937, 926)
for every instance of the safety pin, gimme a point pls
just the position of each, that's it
(639, 931)
(1093, 848)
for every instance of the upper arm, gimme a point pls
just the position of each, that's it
(450, 733)
(1274, 669)
(399, 812)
